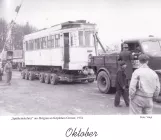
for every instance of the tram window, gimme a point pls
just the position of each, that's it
(57, 41)
(37, 44)
(49, 41)
(71, 40)
(89, 40)
(43, 42)
(52, 41)
(80, 38)
(31, 45)
(27, 46)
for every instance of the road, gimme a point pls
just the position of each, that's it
(25, 97)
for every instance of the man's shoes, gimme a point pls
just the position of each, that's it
(118, 105)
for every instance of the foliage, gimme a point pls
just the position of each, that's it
(3, 32)
(18, 32)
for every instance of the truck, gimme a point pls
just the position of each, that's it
(105, 66)
(18, 59)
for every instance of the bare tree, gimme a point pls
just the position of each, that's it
(3, 33)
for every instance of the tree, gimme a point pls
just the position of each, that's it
(18, 32)
(3, 33)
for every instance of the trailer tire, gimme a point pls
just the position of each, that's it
(103, 82)
(47, 78)
(41, 77)
(23, 74)
(54, 79)
(31, 75)
(27, 75)
(90, 80)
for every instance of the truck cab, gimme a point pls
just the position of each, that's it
(150, 46)
(106, 66)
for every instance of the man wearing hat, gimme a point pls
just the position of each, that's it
(8, 70)
(121, 86)
(126, 56)
(144, 86)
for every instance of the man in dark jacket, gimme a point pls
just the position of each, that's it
(126, 56)
(121, 86)
(8, 70)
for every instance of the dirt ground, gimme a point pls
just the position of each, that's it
(25, 97)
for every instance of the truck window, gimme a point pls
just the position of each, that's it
(151, 46)
(132, 46)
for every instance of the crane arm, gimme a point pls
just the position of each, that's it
(98, 40)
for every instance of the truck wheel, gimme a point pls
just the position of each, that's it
(23, 74)
(47, 78)
(90, 80)
(54, 79)
(31, 75)
(26, 75)
(103, 82)
(41, 77)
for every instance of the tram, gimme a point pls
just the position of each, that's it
(60, 53)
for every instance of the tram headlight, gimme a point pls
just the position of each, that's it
(89, 57)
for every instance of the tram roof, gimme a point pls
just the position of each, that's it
(61, 26)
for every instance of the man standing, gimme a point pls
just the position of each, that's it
(8, 70)
(144, 86)
(121, 86)
(135, 60)
(126, 56)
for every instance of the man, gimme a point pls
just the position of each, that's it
(126, 56)
(8, 70)
(144, 86)
(135, 56)
(121, 86)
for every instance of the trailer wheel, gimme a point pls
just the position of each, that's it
(90, 80)
(23, 74)
(54, 79)
(103, 82)
(47, 78)
(83, 81)
(41, 77)
(27, 75)
(31, 75)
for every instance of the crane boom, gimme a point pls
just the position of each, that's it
(98, 40)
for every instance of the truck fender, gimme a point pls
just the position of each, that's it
(103, 69)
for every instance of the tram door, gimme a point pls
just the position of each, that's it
(66, 51)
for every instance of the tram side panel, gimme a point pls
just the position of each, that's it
(48, 57)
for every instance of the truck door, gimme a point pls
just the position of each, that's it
(66, 51)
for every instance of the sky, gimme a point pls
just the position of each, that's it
(115, 19)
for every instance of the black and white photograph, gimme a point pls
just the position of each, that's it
(80, 57)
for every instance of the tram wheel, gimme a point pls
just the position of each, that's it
(41, 77)
(54, 79)
(23, 74)
(47, 78)
(27, 75)
(31, 75)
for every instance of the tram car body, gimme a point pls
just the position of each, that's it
(63, 50)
